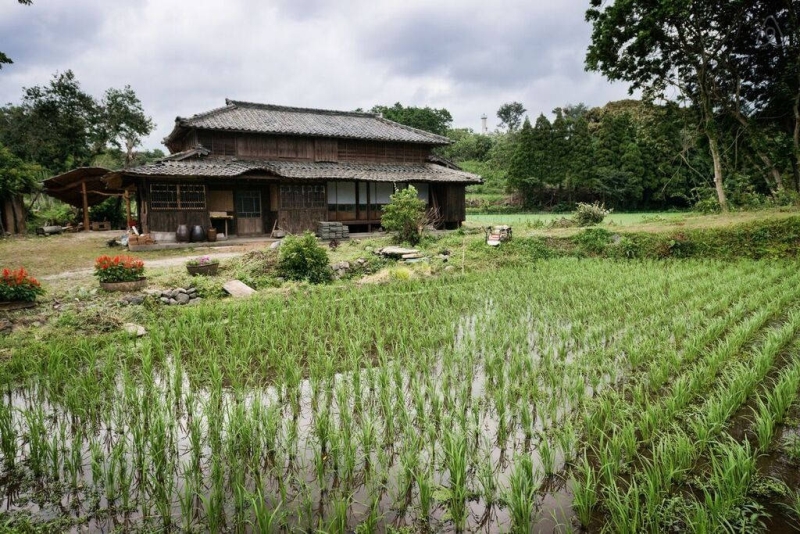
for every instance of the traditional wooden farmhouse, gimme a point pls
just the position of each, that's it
(254, 167)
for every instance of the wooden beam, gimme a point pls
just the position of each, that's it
(85, 207)
(127, 197)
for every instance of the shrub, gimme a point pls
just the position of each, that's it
(404, 216)
(707, 206)
(563, 222)
(786, 197)
(301, 258)
(58, 214)
(589, 214)
(593, 240)
(19, 286)
(109, 210)
(118, 269)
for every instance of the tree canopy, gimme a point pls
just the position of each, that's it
(59, 126)
(511, 115)
(432, 120)
(728, 59)
(16, 176)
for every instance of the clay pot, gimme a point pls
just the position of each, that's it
(211, 235)
(182, 234)
(203, 270)
(198, 234)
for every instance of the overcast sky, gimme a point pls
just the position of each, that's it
(186, 56)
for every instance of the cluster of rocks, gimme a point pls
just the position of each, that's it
(341, 268)
(174, 297)
(132, 300)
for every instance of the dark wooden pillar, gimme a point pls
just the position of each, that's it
(85, 207)
(128, 208)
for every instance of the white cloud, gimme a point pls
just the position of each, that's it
(183, 57)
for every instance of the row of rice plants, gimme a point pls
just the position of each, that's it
(637, 504)
(436, 404)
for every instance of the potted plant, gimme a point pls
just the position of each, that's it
(120, 273)
(204, 265)
(18, 289)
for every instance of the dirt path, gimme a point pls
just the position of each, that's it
(166, 262)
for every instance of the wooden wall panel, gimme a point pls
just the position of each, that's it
(326, 149)
(380, 152)
(298, 221)
(249, 226)
(220, 200)
(274, 147)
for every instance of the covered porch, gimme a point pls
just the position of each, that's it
(84, 187)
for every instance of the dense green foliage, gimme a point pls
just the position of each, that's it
(302, 258)
(16, 176)
(630, 155)
(59, 126)
(511, 115)
(429, 119)
(735, 62)
(404, 216)
(767, 239)
(111, 210)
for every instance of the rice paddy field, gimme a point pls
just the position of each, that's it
(568, 395)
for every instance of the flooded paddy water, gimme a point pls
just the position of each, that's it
(477, 405)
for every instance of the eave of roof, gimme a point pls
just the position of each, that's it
(67, 188)
(300, 170)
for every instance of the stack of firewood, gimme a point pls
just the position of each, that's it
(143, 239)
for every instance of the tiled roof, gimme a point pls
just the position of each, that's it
(372, 172)
(239, 116)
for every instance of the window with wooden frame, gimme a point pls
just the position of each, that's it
(248, 204)
(182, 197)
(297, 197)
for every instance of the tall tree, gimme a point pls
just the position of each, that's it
(16, 179)
(4, 59)
(59, 126)
(432, 120)
(524, 169)
(510, 115)
(680, 44)
(55, 126)
(124, 121)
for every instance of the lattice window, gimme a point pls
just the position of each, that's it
(177, 197)
(295, 197)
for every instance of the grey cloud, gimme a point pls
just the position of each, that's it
(469, 56)
(523, 46)
(48, 32)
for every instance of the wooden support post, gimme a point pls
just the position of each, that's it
(85, 207)
(128, 206)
